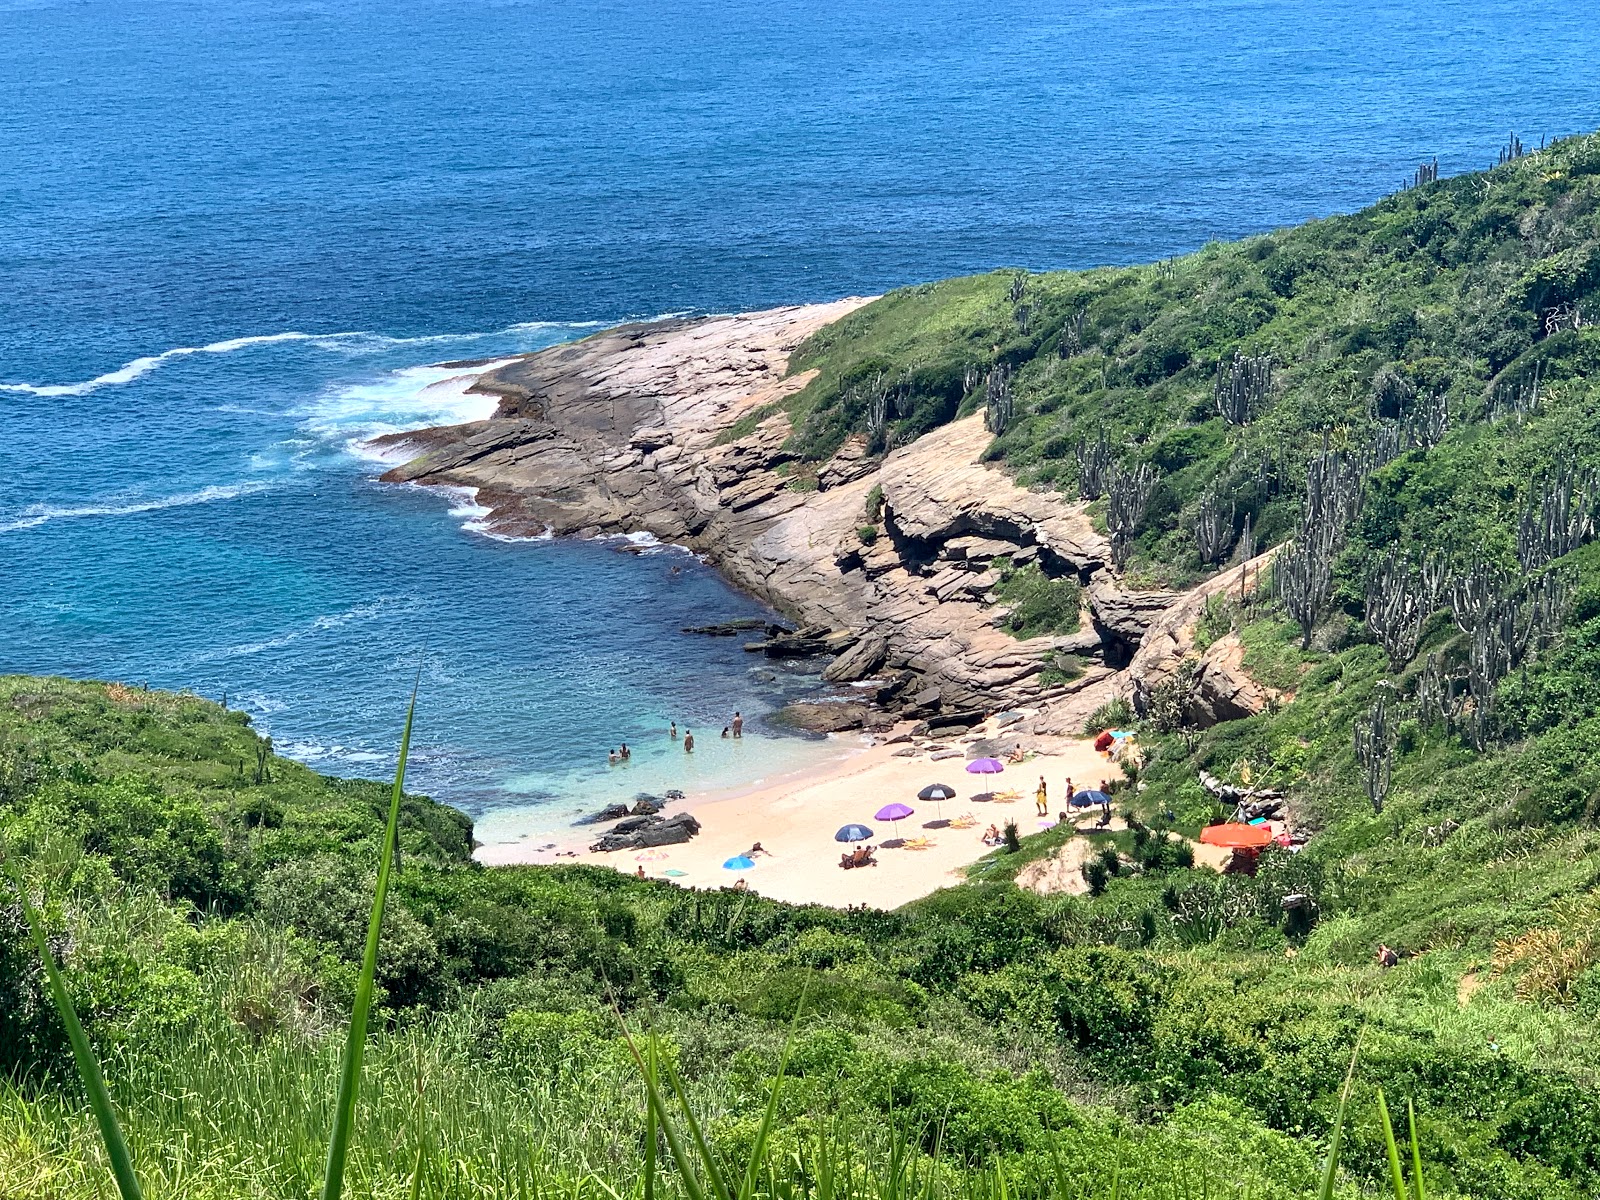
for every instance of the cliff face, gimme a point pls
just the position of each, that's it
(631, 430)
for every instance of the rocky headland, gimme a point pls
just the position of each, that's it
(672, 428)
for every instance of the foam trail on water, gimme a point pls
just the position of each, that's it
(348, 342)
(320, 624)
(38, 514)
(129, 371)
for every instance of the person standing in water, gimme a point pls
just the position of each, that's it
(738, 724)
(1041, 798)
(672, 730)
(688, 742)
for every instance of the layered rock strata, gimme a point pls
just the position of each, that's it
(672, 428)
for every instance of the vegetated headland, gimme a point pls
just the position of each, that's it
(1313, 513)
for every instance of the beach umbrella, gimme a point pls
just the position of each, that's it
(894, 812)
(985, 766)
(938, 793)
(1237, 837)
(1089, 797)
(739, 863)
(853, 833)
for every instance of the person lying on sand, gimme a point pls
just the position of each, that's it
(758, 848)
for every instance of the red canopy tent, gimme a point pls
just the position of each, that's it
(1237, 837)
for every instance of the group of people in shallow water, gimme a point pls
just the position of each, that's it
(734, 728)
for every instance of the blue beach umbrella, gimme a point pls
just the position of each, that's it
(1089, 797)
(741, 863)
(853, 833)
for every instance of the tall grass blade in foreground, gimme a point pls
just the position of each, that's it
(344, 1115)
(1330, 1170)
(88, 1067)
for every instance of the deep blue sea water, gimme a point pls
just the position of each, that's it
(234, 232)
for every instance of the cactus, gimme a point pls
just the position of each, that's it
(1520, 399)
(1512, 150)
(999, 403)
(1241, 387)
(1127, 498)
(1400, 599)
(1094, 468)
(1303, 570)
(1429, 421)
(1071, 343)
(1426, 173)
(1558, 516)
(1375, 741)
(1212, 530)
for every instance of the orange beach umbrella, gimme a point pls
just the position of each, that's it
(1237, 837)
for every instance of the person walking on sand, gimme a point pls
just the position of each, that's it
(738, 724)
(1041, 798)
(688, 742)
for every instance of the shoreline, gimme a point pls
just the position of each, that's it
(795, 817)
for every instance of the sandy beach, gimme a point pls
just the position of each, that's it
(795, 820)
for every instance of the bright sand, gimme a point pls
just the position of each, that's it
(795, 820)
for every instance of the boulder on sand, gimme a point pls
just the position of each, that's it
(859, 661)
(643, 832)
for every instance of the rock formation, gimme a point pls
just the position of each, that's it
(632, 430)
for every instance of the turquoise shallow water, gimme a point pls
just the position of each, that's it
(233, 235)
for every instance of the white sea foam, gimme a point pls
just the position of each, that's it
(38, 514)
(317, 625)
(129, 371)
(348, 342)
(411, 398)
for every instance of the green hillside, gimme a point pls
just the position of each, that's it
(1402, 395)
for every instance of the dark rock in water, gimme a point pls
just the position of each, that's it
(646, 796)
(861, 660)
(762, 675)
(802, 643)
(832, 716)
(648, 807)
(742, 625)
(643, 832)
(674, 794)
(611, 812)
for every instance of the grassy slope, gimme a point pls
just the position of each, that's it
(1001, 1014)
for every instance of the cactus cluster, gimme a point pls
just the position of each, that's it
(1127, 499)
(1094, 467)
(999, 403)
(1558, 516)
(1375, 739)
(1242, 386)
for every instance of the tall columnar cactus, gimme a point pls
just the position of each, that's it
(1071, 343)
(1375, 737)
(999, 403)
(1428, 422)
(1127, 498)
(1094, 467)
(1400, 599)
(1242, 386)
(1558, 515)
(1303, 570)
(1520, 398)
(1213, 529)
(1426, 173)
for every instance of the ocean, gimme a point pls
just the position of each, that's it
(235, 235)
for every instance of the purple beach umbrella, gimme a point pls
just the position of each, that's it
(896, 813)
(985, 766)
